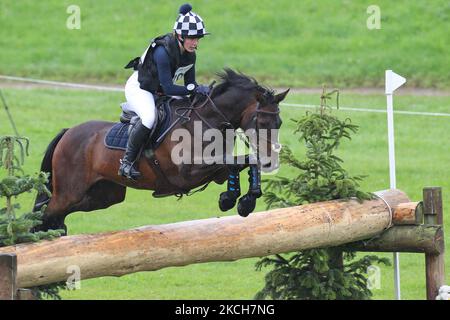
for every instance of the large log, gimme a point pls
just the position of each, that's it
(420, 239)
(228, 238)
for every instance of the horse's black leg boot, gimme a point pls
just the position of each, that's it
(247, 203)
(138, 136)
(228, 198)
(254, 178)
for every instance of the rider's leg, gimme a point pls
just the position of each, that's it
(140, 101)
(143, 104)
(138, 136)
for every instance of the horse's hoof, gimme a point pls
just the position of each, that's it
(46, 227)
(246, 205)
(64, 227)
(226, 201)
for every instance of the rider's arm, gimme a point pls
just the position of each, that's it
(162, 61)
(189, 77)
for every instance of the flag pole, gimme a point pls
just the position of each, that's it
(392, 82)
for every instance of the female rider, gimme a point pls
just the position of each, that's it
(168, 58)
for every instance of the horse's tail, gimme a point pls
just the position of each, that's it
(46, 166)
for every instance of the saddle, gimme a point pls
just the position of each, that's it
(117, 136)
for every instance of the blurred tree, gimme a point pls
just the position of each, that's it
(317, 274)
(16, 229)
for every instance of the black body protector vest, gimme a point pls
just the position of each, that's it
(147, 69)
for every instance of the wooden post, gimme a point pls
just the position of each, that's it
(434, 263)
(25, 294)
(8, 272)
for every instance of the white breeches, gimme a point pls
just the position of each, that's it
(140, 101)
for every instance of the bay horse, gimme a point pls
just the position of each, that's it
(83, 172)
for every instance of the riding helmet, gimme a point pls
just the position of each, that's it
(189, 24)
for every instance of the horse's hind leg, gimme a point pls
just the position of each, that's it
(59, 206)
(69, 187)
(101, 195)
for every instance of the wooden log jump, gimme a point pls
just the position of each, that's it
(229, 238)
(217, 239)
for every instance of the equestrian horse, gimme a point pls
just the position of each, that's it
(83, 172)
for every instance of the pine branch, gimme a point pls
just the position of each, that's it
(15, 230)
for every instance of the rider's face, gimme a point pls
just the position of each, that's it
(190, 44)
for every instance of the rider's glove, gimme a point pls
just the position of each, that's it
(203, 90)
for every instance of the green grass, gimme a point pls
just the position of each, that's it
(422, 160)
(285, 42)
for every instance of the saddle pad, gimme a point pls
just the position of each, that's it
(117, 136)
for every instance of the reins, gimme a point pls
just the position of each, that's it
(184, 114)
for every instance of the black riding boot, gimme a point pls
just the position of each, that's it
(138, 136)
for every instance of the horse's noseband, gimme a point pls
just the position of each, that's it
(258, 111)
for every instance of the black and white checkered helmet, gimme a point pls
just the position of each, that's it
(189, 23)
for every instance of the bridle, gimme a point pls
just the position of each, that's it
(259, 111)
(186, 116)
(276, 147)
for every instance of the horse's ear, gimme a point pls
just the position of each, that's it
(280, 97)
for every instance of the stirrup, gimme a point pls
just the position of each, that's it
(127, 170)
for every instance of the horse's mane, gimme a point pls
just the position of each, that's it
(230, 78)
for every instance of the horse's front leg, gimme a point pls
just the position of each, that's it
(235, 164)
(227, 199)
(247, 203)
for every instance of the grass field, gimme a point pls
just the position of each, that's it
(286, 42)
(422, 149)
(282, 43)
